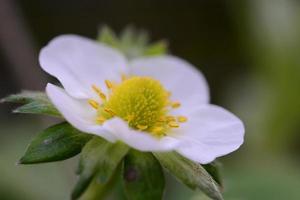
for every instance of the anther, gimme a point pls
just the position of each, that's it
(170, 118)
(142, 127)
(96, 89)
(158, 129)
(102, 96)
(173, 124)
(101, 119)
(109, 111)
(108, 84)
(93, 103)
(176, 104)
(99, 92)
(181, 119)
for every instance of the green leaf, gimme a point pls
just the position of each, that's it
(99, 158)
(57, 142)
(34, 103)
(143, 176)
(213, 170)
(190, 173)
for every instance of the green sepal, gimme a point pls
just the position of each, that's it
(190, 173)
(33, 102)
(108, 36)
(58, 142)
(157, 48)
(214, 170)
(143, 178)
(98, 160)
(98, 190)
(133, 43)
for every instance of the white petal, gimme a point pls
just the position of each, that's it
(183, 80)
(139, 140)
(77, 112)
(78, 62)
(210, 132)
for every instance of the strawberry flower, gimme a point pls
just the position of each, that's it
(152, 104)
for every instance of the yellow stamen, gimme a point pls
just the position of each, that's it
(99, 92)
(93, 103)
(101, 119)
(109, 111)
(109, 84)
(173, 124)
(176, 104)
(142, 127)
(181, 119)
(158, 129)
(141, 101)
(102, 96)
(96, 89)
(171, 119)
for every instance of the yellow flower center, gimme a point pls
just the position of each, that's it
(141, 101)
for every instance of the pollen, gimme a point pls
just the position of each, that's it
(142, 102)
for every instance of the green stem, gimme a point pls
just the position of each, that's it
(98, 191)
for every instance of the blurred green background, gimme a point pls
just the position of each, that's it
(248, 50)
